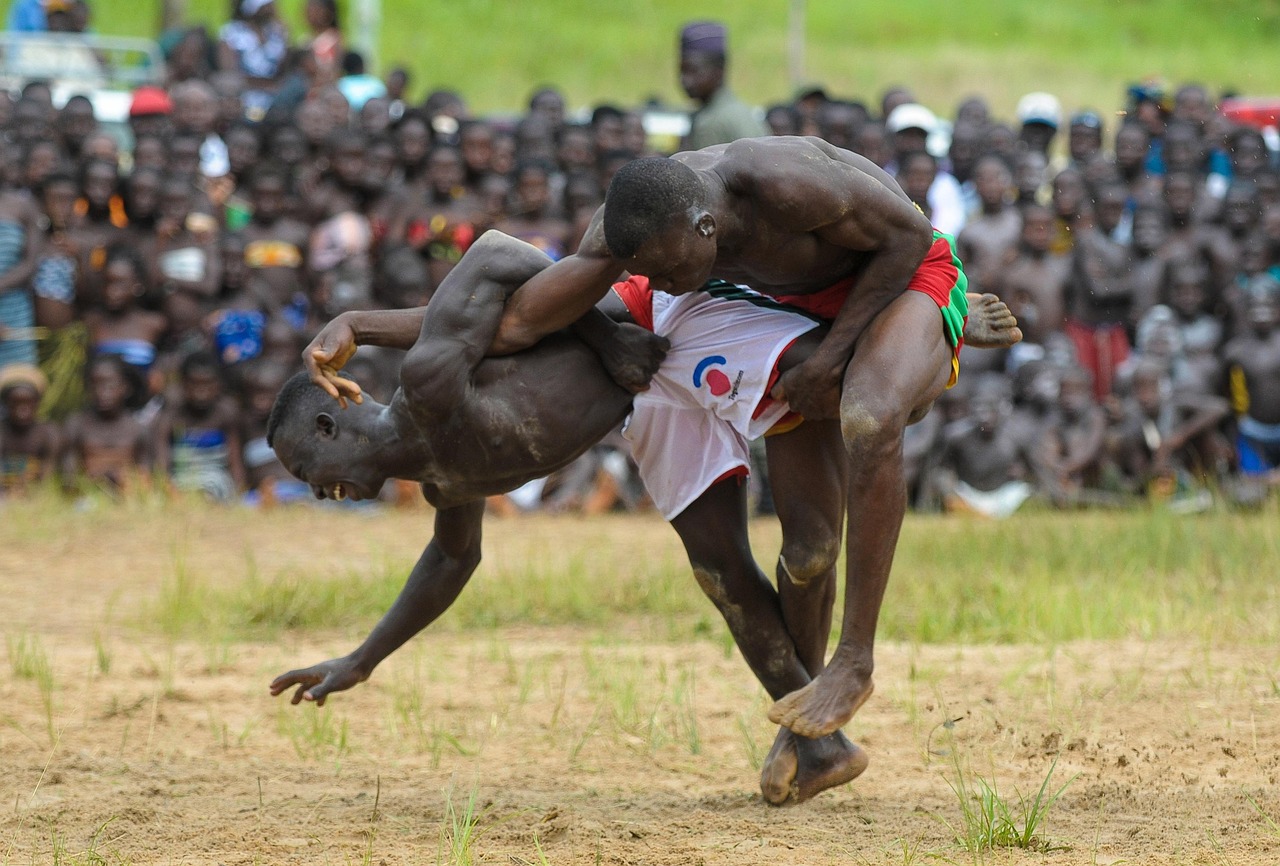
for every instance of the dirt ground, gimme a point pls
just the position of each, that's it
(577, 744)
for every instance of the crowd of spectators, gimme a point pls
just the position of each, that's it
(154, 298)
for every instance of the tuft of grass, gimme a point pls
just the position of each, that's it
(458, 831)
(989, 821)
(102, 654)
(315, 736)
(1271, 825)
(29, 661)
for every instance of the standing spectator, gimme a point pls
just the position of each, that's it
(20, 250)
(721, 117)
(255, 43)
(910, 125)
(325, 43)
(991, 234)
(1253, 360)
(195, 113)
(1084, 138)
(1040, 114)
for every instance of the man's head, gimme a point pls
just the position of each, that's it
(1040, 114)
(702, 59)
(991, 403)
(328, 448)
(1263, 304)
(1084, 136)
(21, 388)
(656, 221)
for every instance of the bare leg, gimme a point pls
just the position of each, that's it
(991, 324)
(884, 388)
(714, 532)
(807, 476)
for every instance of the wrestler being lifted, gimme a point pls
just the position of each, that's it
(828, 231)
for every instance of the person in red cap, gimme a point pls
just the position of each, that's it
(721, 117)
(149, 112)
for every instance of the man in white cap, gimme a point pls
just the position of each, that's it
(721, 117)
(1040, 115)
(910, 125)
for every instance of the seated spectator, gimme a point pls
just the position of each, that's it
(28, 446)
(104, 444)
(267, 480)
(1165, 442)
(196, 440)
(986, 468)
(1074, 447)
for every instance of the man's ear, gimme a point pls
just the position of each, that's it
(326, 426)
(705, 226)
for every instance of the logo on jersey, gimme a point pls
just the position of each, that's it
(716, 380)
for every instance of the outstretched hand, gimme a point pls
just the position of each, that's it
(318, 681)
(815, 395)
(326, 355)
(633, 356)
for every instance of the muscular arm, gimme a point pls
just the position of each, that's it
(434, 583)
(860, 208)
(463, 318)
(560, 295)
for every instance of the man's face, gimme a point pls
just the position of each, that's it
(700, 74)
(107, 389)
(676, 261)
(99, 185)
(1131, 147)
(1084, 142)
(268, 199)
(60, 203)
(120, 288)
(324, 451)
(993, 183)
(20, 404)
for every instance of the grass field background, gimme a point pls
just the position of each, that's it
(1085, 51)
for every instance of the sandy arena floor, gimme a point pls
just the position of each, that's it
(588, 745)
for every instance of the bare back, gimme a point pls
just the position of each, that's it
(808, 211)
(524, 416)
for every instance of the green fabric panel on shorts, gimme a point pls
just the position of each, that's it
(954, 312)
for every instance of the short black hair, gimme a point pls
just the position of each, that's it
(643, 198)
(298, 396)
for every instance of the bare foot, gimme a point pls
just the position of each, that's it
(778, 775)
(797, 768)
(826, 763)
(826, 704)
(991, 325)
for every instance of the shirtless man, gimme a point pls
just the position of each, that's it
(446, 377)
(805, 221)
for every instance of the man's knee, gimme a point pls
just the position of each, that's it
(870, 423)
(801, 561)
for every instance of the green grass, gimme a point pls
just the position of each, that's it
(1086, 51)
(1039, 577)
(989, 821)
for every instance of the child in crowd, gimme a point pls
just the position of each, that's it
(28, 446)
(197, 438)
(105, 445)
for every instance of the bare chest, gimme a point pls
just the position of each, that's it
(788, 263)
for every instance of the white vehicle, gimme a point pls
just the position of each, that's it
(106, 69)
